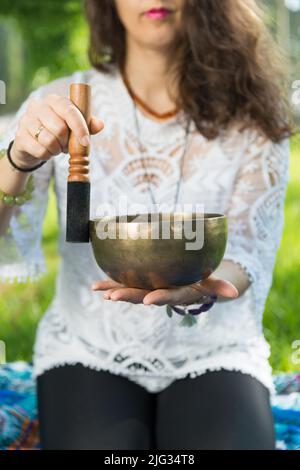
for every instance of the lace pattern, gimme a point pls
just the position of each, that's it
(256, 211)
(21, 255)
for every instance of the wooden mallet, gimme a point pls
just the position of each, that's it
(78, 183)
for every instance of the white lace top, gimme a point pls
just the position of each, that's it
(240, 174)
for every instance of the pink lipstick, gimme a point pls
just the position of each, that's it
(158, 13)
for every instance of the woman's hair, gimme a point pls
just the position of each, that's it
(229, 67)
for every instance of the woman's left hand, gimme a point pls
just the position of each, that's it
(189, 294)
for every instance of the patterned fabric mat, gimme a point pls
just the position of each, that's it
(19, 429)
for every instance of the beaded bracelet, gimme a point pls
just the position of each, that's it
(25, 170)
(21, 198)
(189, 314)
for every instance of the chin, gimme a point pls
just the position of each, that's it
(158, 41)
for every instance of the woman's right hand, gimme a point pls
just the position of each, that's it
(58, 115)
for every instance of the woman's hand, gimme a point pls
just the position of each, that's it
(57, 115)
(189, 294)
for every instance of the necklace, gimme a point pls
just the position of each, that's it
(142, 103)
(142, 159)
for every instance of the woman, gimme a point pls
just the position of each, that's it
(115, 372)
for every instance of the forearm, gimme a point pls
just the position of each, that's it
(232, 272)
(12, 182)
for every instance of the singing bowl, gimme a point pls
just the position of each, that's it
(140, 260)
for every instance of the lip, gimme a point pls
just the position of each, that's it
(158, 13)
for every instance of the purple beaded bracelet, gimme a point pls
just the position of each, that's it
(196, 311)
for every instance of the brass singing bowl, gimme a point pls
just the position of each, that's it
(150, 251)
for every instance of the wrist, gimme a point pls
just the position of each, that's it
(23, 161)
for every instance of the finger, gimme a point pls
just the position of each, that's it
(129, 294)
(72, 116)
(227, 289)
(96, 125)
(105, 284)
(108, 293)
(31, 146)
(221, 287)
(166, 296)
(178, 295)
(55, 124)
(46, 138)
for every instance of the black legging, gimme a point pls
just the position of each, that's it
(81, 408)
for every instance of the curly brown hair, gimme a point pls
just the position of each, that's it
(230, 69)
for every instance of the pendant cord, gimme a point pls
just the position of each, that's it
(187, 130)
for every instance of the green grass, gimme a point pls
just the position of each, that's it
(282, 314)
(22, 305)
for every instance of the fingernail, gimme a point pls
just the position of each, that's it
(105, 296)
(85, 140)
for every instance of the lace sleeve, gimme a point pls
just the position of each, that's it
(21, 254)
(256, 210)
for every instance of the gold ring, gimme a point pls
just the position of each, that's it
(36, 135)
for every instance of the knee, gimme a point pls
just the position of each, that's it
(130, 434)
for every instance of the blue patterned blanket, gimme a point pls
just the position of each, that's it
(19, 422)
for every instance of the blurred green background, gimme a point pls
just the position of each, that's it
(41, 41)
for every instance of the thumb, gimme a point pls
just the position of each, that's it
(96, 125)
(220, 287)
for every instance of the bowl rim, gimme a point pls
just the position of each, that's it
(116, 218)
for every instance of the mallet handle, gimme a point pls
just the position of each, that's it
(80, 95)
